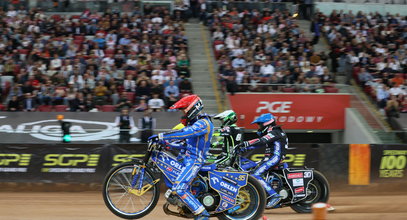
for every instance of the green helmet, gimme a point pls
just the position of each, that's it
(227, 117)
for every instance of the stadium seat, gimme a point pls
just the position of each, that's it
(288, 89)
(45, 108)
(330, 89)
(78, 42)
(79, 38)
(130, 96)
(131, 72)
(23, 53)
(56, 17)
(6, 88)
(17, 68)
(108, 108)
(109, 51)
(61, 108)
(75, 17)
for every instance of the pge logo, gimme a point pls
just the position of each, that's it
(15, 159)
(275, 107)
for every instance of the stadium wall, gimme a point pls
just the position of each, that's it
(345, 166)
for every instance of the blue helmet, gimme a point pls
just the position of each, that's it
(264, 119)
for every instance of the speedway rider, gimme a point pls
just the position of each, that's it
(198, 134)
(274, 139)
(231, 136)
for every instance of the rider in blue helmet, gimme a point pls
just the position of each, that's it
(275, 141)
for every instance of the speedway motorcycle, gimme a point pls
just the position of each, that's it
(131, 190)
(298, 187)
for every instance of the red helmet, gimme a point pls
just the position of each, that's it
(191, 105)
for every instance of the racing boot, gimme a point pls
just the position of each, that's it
(202, 216)
(273, 200)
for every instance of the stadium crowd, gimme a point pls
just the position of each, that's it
(372, 48)
(92, 61)
(254, 48)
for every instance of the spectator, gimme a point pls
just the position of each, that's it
(141, 106)
(123, 102)
(55, 50)
(392, 107)
(156, 104)
(143, 89)
(364, 76)
(100, 93)
(267, 69)
(89, 103)
(129, 84)
(185, 86)
(171, 90)
(382, 95)
(29, 103)
(312, 73)
(13, 105)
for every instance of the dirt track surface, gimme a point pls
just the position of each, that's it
(90, 206)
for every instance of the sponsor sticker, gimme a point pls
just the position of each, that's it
(226, 198)
(299, 190)
(299, 195)
(298, 182)
(294, 175)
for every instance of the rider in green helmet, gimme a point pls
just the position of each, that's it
(232, 135)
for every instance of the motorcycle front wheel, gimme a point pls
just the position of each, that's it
(251, 201)
(318, 191)
(125, 201)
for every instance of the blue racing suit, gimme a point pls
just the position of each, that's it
(198, 135)
(275, 141)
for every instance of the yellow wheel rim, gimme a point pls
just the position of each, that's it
(243, 199)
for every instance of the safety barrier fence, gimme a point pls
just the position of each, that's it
(343, 165)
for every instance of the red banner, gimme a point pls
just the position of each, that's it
(293, 111)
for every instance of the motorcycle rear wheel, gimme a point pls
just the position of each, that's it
(318, 191)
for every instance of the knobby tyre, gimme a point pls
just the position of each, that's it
(318, 191)
(118, 197)
(252, 200)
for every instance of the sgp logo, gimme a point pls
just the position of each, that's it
(275, 107)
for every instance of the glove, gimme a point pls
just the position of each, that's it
(153, 138)
(240, 148)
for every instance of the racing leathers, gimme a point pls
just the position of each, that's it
(275, 142)
(231, 136)
(198, 135)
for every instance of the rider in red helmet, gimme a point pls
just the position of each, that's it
(198, 134)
